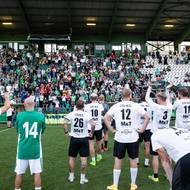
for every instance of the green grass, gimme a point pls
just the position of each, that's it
(55, 148)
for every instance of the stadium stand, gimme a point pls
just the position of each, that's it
(57, 52)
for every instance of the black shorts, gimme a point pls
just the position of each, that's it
(181, 174)
(79, 145)
(97, 135)
(146, 136)
(9, 118)
(153, 153)
(119, 150)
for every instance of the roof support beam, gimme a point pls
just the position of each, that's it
(183, 35)
(156, 18)
(113, 18)
(160, 47)
(69, 15)
(24, 16)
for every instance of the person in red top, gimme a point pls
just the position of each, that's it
(113, 55)
(68, 97)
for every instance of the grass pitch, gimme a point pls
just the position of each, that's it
(55, 174)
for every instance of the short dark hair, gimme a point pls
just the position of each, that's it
(183, 91)
(80, 104)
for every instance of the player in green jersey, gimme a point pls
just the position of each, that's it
(29, 125)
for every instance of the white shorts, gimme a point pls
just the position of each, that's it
(22, 165)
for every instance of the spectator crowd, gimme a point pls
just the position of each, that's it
(57, 80)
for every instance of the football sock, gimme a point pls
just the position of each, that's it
(82, 176)
(155, 175)
(38, 188)
(71, 175)
(146, 162)
(116, 175)
(133, 175)
(93, 159)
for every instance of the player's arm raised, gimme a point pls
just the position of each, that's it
(7, 103)
(147, 97)
(107, 121)
(168, 93)
(166, 163)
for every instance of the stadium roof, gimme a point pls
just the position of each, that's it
(155, 19)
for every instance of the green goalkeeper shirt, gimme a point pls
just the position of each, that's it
(29, 125)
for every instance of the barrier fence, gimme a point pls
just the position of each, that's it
(56, 119)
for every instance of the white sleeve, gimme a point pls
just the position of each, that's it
(0, 111)
(148, 98)
(149, 112)
(69, 116)
(86, 109)
(155, 142)
(140, 110)
(111, 111)
(175, 105)
(168, 96)
(88, 117)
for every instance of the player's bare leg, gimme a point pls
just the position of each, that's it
(37, 181)
(92, 153)
(155, 165)
(116, 174)
(133, 171)
(9, 124)
(71, 169)
(83, 178)
(18, 182)
(99, 150)
(147, 154)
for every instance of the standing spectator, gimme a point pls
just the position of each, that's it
(10, 113)
(6, 104)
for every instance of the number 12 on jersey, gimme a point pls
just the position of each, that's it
(126, 114)
(33, 130)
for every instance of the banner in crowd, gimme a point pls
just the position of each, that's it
(53, 119)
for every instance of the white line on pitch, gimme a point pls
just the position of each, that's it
(4, 130)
